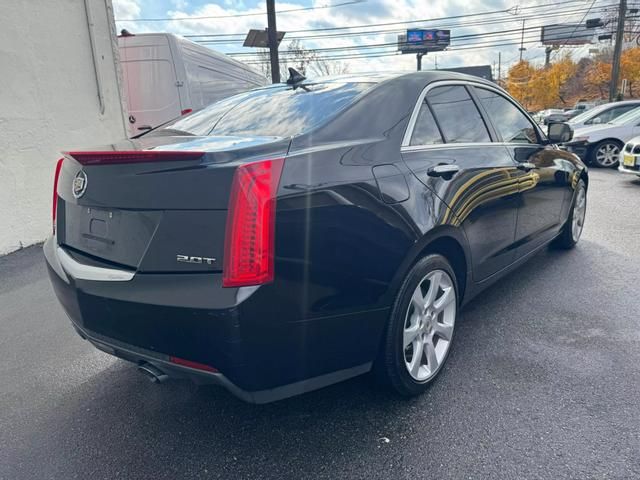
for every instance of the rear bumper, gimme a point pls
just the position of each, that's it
(151, 317)
(162, 362)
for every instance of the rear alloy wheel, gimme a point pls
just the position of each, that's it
(605, 154)
(572, 230)
(421, 328)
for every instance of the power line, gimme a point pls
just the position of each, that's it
(577, 25)
(453, 38)
(470, 41)
(507, 19)
(467, 37)
(508, 10)
(253, 14)
(394, 53)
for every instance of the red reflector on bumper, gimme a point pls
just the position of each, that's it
(194, 365)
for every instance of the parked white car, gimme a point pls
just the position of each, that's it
(601, 144)
(603, 113)
(166, 76)
(630, 162)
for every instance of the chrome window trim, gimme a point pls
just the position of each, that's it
(406, 140)
(80, 271)
(448, 146)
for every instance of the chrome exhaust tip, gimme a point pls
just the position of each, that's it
(153, 373)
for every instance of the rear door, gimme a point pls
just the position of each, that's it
(543, 170)
(150, 81)
(482, 195)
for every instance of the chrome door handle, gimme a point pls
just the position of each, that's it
(445, 171)
(526, 166)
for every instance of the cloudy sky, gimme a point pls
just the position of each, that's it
(479, 28)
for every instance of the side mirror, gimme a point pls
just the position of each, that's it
(559, 133)
(597, 121)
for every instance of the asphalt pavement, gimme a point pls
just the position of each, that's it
(543, 382)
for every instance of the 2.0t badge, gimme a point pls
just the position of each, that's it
(79, 185)
(191, 259)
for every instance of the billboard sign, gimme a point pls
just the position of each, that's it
(420, 40)
(566, 34)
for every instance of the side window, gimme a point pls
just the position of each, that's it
(616, 112)
(425, 131)
(512, 125)
(608, 115)
(457, 115)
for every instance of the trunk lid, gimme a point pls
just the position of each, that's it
(155, 204)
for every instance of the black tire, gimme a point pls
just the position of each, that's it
(390, 367)
(604, 144)
(567, 240)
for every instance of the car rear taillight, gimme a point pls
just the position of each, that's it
(135, 156)
(249, 245)
(54, 203)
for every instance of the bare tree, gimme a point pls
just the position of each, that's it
(322, 66)
(299, 57)
(308, 61)
(264, 64)
(302, 59)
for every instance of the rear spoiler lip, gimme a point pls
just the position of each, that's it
(107, 157)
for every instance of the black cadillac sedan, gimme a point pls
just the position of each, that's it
(298, 235)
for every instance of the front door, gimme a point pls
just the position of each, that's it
(543, 171)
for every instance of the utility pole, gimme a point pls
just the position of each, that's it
(617, 51)
(522, 49)
(499, 67)
(547, 56)
(272, 35)
(419, 60)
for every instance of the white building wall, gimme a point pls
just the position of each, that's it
(49, 103)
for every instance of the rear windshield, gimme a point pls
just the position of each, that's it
(277, 111)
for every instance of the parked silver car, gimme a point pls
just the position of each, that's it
(603, 113)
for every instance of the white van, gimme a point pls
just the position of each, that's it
(166, 76)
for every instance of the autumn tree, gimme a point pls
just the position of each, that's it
(519, 80)
(598, 76)
(538, 88)
(630, 67)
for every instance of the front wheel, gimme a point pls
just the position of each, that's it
(572, 230)
(606, 153)
(420, 330)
